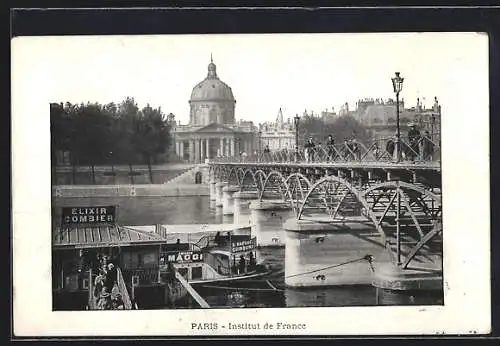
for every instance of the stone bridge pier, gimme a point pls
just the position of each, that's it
(331, 254)
(228, 200)
(267, 219)
(218, 193)
(213, 191)
(242, 202)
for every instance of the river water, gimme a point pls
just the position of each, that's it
(197, 210)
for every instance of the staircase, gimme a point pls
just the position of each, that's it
(188, 177)
(119, 287)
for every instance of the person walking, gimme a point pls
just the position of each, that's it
(376, 152)
(356, 152)
(427, 146)
(389, 147)
(414, 139)
(309, 149)
(267, 153)
(330, 148)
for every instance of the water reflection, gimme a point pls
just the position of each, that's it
(388, 297)
(134, 211)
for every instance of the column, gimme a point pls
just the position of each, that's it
(226, 147)
(191, 150)
(177, 148)
(181, 150)
(221, 147)
(202, 150)
(197, 150)
(233, 146)
(207, 143)
(237, 144)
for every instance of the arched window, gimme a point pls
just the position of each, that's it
(197, 178)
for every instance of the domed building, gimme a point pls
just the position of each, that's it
(212, 130)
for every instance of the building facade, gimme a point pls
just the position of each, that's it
(277, 135)
(213, 130)
(379, 116)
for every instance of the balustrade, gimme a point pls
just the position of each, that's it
(426, 149)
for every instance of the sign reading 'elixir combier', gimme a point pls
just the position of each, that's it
(88, 215)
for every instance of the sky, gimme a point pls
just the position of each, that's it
(294, 72)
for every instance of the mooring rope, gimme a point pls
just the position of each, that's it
(242, 288)
(368, 258)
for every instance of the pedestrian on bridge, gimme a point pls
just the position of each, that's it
(427, 146)
(267, 153)
(355, 149)
(309, 150)
(346, 153)
(330, 148)
(376, 151)
(413, 149)
(389, 147)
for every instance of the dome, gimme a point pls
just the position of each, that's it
(212, 88)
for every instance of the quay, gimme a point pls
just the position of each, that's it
(156, 265)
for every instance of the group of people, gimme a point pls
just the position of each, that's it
(349, 151)
(243, 266)
(415, 147)
(418, 147)
(106, 290)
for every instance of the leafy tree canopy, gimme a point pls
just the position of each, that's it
(112, 133)
(343, 127)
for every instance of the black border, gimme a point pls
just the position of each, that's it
(281, 20)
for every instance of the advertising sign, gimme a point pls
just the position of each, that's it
(88, 215)
(183, 257)
(244, 245)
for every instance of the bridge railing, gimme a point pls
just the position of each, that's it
(382, 149)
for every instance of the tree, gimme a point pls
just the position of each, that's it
(91, 132)
(152, 135)
(346, 126)
(343, 127)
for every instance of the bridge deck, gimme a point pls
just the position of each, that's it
(435, 166)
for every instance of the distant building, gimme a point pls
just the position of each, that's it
(329, 116)
(380, 118)
(212, 130)
(277, 134)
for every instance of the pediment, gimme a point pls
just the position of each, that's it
(215, 128)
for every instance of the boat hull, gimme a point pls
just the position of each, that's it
(230, 279)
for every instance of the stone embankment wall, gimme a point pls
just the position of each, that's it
(183, 185)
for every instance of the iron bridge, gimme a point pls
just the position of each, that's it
(401, 199)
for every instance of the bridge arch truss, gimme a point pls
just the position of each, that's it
(402, 204)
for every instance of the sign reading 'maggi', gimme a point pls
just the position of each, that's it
(183, 257)
(88, 215)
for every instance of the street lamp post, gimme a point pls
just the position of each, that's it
(112, 167)
(260, 143)
(397, 84)
(296, 120)
(433, 121)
